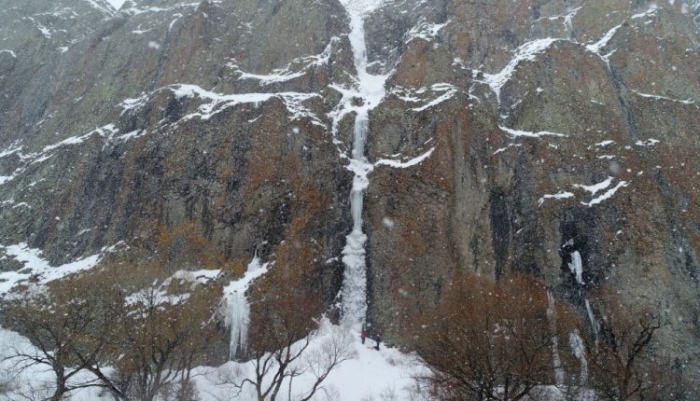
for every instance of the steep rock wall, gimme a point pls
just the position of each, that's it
(548, 99)
(512, 135)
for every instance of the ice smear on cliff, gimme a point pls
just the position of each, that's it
(559, 373)
(657, 97)
(106, 7)
(116, 4)
(295, 69)
(559, 195)
(591, 319)
(579, 350)
(424, 30)
(598, 46)
(449, 92)
(213, 103)
(529, 134)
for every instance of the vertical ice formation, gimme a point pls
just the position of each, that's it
(367, 93)
(556, 359)
(237, 309)
(576, 344)
(576, 267)
(591, 319)
(237, 320)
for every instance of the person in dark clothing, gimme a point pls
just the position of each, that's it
(378, 339)
(363, 334)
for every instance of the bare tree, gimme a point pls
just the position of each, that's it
(69, 324)
(334, 348)
(162, 337)
(153, 338)
(283, 350)
(623, 367)
(490, 341)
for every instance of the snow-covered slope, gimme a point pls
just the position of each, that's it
(370, 374)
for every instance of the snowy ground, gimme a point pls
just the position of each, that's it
(368, 375)
(371, 375)
(384, 375)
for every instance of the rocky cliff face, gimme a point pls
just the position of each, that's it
(512, 137)
(565, 130)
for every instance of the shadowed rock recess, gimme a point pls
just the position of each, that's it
(512, 136)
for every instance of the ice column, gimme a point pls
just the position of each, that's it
(556, 359)
(237, 309)
(238, 321)
(576, 344)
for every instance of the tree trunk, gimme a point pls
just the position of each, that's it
(60, 388)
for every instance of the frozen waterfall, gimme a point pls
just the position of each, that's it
(236, 307)
(237, 320)
(370, 89)
(576, 267)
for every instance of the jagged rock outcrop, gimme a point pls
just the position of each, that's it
(512, 135)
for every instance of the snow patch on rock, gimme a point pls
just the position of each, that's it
(526, 52)
(607, 195)
(559, 195)
(529, 134)
(38, 271)
(410, 163)
(595, 188)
